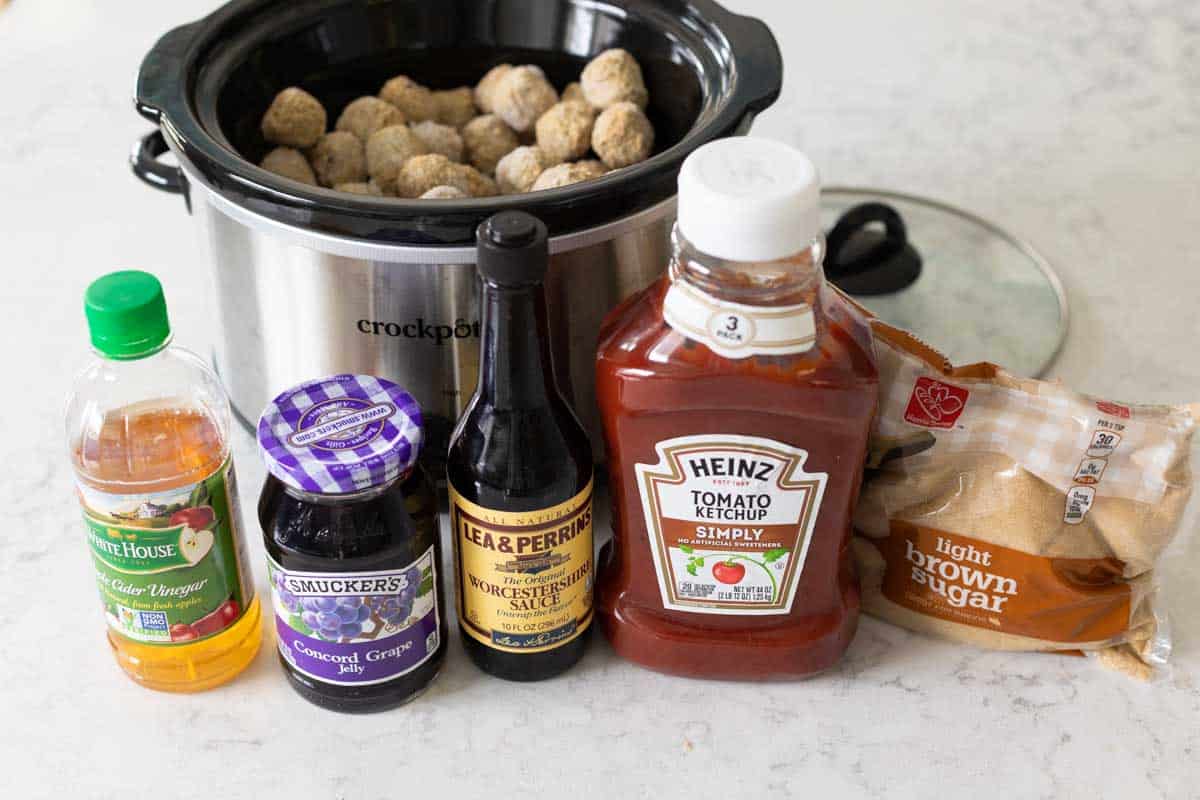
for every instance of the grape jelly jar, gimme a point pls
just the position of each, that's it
(350, 525)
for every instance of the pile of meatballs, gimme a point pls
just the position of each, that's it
(511, 133)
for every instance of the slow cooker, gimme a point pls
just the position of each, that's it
(310, 282)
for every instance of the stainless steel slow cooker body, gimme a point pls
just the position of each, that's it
(311, 282)
(295, 304)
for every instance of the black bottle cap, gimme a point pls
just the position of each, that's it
(513, 248)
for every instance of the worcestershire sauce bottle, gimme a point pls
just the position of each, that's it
(520, 477)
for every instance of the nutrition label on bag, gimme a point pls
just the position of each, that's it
(1104, 442)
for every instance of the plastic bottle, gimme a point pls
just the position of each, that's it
(737, 396)
(148, 436)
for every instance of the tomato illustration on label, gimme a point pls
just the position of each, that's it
(730, 568)
(729, 572)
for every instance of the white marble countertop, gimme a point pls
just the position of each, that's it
(1074, 123)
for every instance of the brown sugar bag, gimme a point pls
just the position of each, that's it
(1016, 514)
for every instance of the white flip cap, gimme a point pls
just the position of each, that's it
(749, 199)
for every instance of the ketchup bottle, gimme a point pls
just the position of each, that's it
(737, 395)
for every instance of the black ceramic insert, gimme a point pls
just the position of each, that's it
(207, 85)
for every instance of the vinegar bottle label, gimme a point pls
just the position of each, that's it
(524, 577)
(730, 519)
(167, 563)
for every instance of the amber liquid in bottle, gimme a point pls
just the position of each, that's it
(145, 449)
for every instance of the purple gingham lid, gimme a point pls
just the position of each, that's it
(341, 434)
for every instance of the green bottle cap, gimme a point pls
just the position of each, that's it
(127, 315)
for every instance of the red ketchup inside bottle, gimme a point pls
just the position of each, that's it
(737, 396)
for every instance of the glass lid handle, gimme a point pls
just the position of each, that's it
(863, 260)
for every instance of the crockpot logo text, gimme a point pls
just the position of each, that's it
(420, 328)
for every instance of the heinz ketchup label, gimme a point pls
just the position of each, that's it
(730, 519)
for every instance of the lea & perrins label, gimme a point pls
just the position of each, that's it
(524, 577)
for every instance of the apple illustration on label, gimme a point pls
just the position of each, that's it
(229, 610)
(182, 632)
(194, 545)
(728, 572)
(198, 518)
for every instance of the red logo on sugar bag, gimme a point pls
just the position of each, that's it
(1113, 409)
(935, 404)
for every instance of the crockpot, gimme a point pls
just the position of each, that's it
(310, 282)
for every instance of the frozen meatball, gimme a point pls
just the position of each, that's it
(573, 91)
(455, 106)
(613, 77)
(518, 170)
(440, 138)
(295, 119)
(566, 174)
(485, 90)
(387, 151)
(423, 173)
(366, 115)
(522, 95)
(564, 133)
(444, 193)
(622, 136)
(477, 184)
(488, 140)
(290, 163)
(339, 158)
(413, 99)
(360, 187)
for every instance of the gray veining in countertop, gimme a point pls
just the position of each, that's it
(1075, 124)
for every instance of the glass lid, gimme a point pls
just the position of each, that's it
(962, 284)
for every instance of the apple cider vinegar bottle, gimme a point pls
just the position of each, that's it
(148, 433)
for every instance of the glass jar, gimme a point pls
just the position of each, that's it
(350, 526)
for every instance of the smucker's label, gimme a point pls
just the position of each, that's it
(167, 563)
(734, 330)
(972, 582)
(525, 577)
(357, 628)
(730, 519)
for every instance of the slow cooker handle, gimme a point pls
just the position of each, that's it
(758, 61)
(161, 71)
(144, 160)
